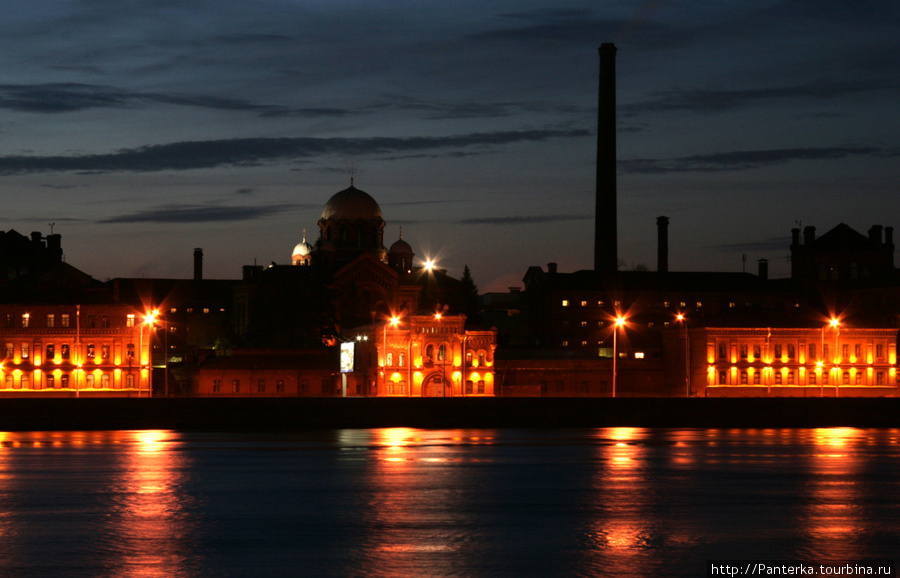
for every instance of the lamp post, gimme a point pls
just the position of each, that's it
(620, 322)
(442, 352)
(687, 355)
(148, 320)
(393, 323)
(836, 325)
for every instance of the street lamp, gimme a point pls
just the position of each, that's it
(393, 322)
(148, 320)
(687, 355)
(443, 355)
(619, 322)
(836, 325)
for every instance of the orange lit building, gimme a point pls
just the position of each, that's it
(73, 350)
(804, 362)
(424, 356)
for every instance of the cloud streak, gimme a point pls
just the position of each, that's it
(257, 151)
(201, 213)
(746, 160)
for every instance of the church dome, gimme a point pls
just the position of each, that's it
(401, 247)
(302, 249)
(351, 204)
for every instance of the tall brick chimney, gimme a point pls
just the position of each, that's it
(198, 264)
(606, 256)
(662, 244)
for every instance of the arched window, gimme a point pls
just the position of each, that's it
(401, 359)
(442, 352)
(390, 360)
(469, 357)
(429, 352)
(480, 359)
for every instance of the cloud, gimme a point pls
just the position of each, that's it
(256, 151)
(722, 100)
(201, 213)
(523, 220)
(746, 160)
(57, 98)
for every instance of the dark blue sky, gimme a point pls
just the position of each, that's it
(144, 129)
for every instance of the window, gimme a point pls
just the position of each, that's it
(857, 350)
(812, 378)
(64, 320)
(824, 378)
(723, 350)
(879, 378)
(9, 320)
(26, 381)
(9, 381)
(90, 351)
(64, 351)
(51, 382)
(89, 380)
(217, 386)
(104, 381)
(481, 359)
(744, 351)
(846, 377)
(565, 302)
(104, 321)
(858, 378)
(469, 358)
(756, 351)
(469, 386)
(129, 351)
(778, 378)
(235, 385)
(64, 381)
(790, 378)
(812, 350)
(584, 303)
(845, 350)
(743, 378)
(10, 350)
(129, 320)
(791, 352)
(390, 360)
(825, 351)
(25, 351)
(51, 352)
(51, 320)
(755, 378)
(481, 386)
(26, 320)
(279, 386)
(401, 359)
(879, 351)
(442, 352)
(104, 351)
(778, 351)
(584, 323)
(91, 322)
(429, 353)
(261, 386)
(304, 386)
(723, 377)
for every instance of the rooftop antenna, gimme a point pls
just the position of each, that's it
(51, 227)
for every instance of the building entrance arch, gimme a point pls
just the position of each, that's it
(436, 386)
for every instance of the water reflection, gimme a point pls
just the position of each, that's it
(112, 501)
(149, 514)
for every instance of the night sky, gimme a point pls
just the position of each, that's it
(144, 129)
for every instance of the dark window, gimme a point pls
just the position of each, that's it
(51, 352)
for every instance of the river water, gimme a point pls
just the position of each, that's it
(405, 502)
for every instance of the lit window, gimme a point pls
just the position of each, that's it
(26, 381)
(666, 304)
(51, 351)
(64, 351)
(129, 320)
(639, 355)
(401, 359)
(879, 351)
(217, 385)
(390, 359)
(25, 351)
(565, 302)
(584, 323)
(481, 360)
(682, 304)
(26, 319)
(89, 380)
(104, 381)
(64, 320)
(584, 343)
(584, 303)
(129, 381)
(206, 309)
(104, 351)
(51, 320)
(64, 381)
(129, 350)
(90, 351)
(235, 385)
(731, 304)
(699, 304)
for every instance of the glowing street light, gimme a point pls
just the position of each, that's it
(619, 322)
(835, 324)
(687, 355)
(393, 322)
(149, 318)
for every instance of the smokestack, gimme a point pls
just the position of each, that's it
(662, 244)
(606, 255)
(198, 264)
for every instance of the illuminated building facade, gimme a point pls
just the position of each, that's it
(425, 356)
(74, 350)
(806, 362)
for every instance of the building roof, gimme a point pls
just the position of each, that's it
(351, 204)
